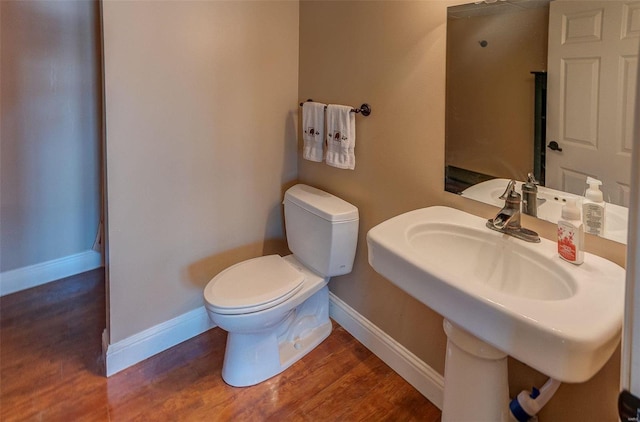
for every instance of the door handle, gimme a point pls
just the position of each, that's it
(553, 145)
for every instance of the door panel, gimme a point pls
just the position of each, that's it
(592, 68)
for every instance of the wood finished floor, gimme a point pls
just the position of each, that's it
(51, 370)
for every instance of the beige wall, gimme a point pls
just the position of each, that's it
(392, 55)
(491, 91)
(200, 118)
(50, 106)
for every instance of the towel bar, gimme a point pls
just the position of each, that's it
(365, 109)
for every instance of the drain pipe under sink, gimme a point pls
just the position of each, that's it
(528, 403)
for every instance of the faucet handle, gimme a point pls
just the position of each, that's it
(511, 187)
(532, 179)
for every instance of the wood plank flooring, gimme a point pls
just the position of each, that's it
(51, 369)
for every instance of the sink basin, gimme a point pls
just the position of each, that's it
(550, 210)
(504, 266)
(561, 319)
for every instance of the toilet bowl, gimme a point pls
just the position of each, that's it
(264, 343)
(276, 309)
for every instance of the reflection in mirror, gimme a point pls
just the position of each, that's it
(542, 87)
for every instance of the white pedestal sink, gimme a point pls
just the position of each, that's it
(518, 298)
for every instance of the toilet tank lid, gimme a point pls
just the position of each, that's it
(321, 203)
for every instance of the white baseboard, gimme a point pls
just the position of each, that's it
(134, 349)
(417, 373)
(156, 339)
(45, 272)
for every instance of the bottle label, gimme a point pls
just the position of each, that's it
(593, 218)
(567, 242)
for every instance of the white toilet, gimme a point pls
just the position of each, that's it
(276, 309)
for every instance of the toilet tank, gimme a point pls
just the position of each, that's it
(322, 230)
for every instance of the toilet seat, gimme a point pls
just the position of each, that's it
(253, 285)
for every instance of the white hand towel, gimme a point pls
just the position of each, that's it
(341, 136)
(313, 131)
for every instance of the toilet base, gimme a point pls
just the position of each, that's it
(251, 358)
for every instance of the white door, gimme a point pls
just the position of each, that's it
(592, 68)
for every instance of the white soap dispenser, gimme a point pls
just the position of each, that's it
(571, 234)
(593, 208)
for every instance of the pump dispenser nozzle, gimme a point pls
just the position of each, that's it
(570, 210)
(594, 193)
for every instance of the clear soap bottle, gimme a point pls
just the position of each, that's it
(593, 208)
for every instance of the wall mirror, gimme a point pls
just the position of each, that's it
(542, 87)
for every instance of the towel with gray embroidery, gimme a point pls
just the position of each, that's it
(341, 136)
(313, 131)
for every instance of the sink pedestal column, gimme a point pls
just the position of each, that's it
(475, 379)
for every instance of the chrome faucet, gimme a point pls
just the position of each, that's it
(507, 220)
(530, 196)
(530, 200)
